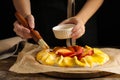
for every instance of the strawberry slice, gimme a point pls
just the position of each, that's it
(88, 53)
(71, 48)
(78, 51)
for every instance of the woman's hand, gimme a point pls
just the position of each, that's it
(21, 31)
(78, 30)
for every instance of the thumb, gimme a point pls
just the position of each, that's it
(30, 20)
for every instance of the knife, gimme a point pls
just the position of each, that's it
(35, 35)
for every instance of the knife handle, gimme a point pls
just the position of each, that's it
(35, 35)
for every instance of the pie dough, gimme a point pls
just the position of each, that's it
(51, 58)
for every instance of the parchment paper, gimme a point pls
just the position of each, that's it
(9, 42)
(26, 63)
(10, 46)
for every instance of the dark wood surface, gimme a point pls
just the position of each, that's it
(5, 74)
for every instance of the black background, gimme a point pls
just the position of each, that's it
(6, 19)
(108, 22)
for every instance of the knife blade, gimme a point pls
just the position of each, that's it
(35, 35)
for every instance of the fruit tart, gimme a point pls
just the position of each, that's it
(73, 56)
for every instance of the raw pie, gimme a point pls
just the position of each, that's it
(73, 56)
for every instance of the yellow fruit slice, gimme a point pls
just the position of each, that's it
(50, 59)
(90, 60)
(41, 54)
(60, 61)
(79, 63)
(88, 47)
(99, 53)
(68, 61)
(98, 58)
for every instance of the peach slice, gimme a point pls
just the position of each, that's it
(63, 51)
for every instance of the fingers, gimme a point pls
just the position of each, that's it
(21, 31)
(78, 31)
(71, 20)
(30, 20)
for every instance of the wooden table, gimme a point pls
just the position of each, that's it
(7, 75)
